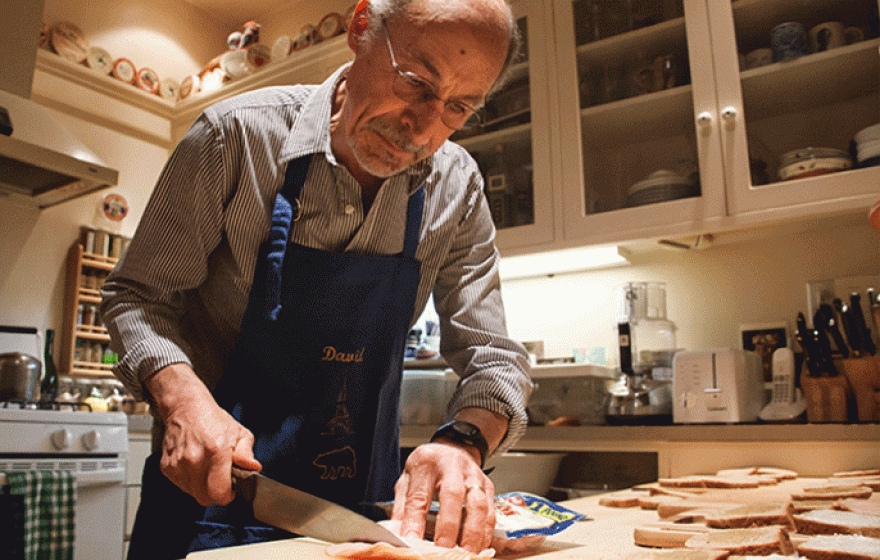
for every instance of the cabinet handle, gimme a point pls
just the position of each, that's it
(704, 119)
(728, 114)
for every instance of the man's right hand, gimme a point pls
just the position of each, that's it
(201, 439)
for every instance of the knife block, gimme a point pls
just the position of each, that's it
(863, 375)
(827, 398)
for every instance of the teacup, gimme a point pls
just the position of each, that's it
(827, 36)
(788, 41)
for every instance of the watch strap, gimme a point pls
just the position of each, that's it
(464, 433)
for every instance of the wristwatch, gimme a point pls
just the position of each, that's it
(465, 433)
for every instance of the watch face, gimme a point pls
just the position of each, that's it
(465, 429)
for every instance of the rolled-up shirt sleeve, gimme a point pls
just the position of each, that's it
(494, 369)
(143, 299)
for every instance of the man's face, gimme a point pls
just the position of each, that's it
(386, 134)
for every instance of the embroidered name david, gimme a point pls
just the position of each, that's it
(331, 355)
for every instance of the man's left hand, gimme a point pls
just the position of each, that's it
(452, 472)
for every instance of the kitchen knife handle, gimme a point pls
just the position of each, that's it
(244, 482)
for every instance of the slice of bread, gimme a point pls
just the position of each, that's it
(871, 481)
(833, 492)
(653, 502)
(840, 547)
(834, 522)
(621, 499)
(750, 515)
(867, 507)
(768, 557)
(802, 506)
(863, 472)
(759, 541)
(781, 474)
(689, 481)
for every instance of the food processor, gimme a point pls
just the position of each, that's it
(643, 393)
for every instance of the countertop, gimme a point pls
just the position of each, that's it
(608, 534)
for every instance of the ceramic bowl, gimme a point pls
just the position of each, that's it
(808, 162)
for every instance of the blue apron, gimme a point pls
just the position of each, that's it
(316, 373)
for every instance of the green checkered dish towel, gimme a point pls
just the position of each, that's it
(49, 500)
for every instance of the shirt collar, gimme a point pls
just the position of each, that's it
(310, 133)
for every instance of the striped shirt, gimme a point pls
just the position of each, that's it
(180, 291)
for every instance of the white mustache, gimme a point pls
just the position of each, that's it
(393, 133)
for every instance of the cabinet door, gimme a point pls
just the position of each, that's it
(776, 102)
(512, 146)
(639, 155)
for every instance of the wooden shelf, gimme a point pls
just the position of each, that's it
(79, 262)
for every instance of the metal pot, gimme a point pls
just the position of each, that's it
(20, 373)
(19, 377)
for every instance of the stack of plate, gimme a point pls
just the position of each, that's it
(660, 186)
(808, 162)
(867, 143)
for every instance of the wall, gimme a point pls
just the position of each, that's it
(710, 292)
(174, 39)
(171, 37)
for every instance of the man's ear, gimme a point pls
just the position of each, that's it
(358, 25)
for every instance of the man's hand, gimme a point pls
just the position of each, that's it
(452, 472)
(466, 495)
(201, 439)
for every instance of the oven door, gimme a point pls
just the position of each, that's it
(100, 500)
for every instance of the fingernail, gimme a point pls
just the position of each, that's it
(444, 542)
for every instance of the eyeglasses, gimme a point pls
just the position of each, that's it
(414, 89)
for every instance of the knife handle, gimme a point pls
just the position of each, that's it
(244, 482)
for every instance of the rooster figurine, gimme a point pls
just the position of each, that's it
(238, 40)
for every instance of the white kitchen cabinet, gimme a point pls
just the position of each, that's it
(513, 146)
(819, 100)
(617, 126)
(621, 117)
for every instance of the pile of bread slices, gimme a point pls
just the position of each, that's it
(758, 512)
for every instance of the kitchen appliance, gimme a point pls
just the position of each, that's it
(304, 514)
(20, 373)
(92, 446)
(647, 343)
(41, 162)
(722, 385)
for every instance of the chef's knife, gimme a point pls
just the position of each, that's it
(855, 302)
(825, 320)
(307, 515)
(874, 303)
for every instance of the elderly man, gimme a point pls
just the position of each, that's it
(293, 238)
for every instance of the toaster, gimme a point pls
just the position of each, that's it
(717, 386)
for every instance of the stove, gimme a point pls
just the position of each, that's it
(93, 446)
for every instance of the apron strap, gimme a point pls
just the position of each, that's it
(283, 214)
(413, 222)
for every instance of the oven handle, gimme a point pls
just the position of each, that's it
(106, 477)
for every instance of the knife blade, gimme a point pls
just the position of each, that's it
(855, 302)
(302, 513)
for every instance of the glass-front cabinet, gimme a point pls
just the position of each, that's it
(512, 145)
(799, 94)
(636, 76)
(677, 117)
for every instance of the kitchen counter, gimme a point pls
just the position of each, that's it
(606, 536)
(705, 448)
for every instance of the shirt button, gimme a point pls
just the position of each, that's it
(349, 209)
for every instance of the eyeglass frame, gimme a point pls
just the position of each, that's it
(430, 91)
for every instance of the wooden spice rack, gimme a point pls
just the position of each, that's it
(82, 290)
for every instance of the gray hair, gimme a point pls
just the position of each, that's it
(387, 9)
